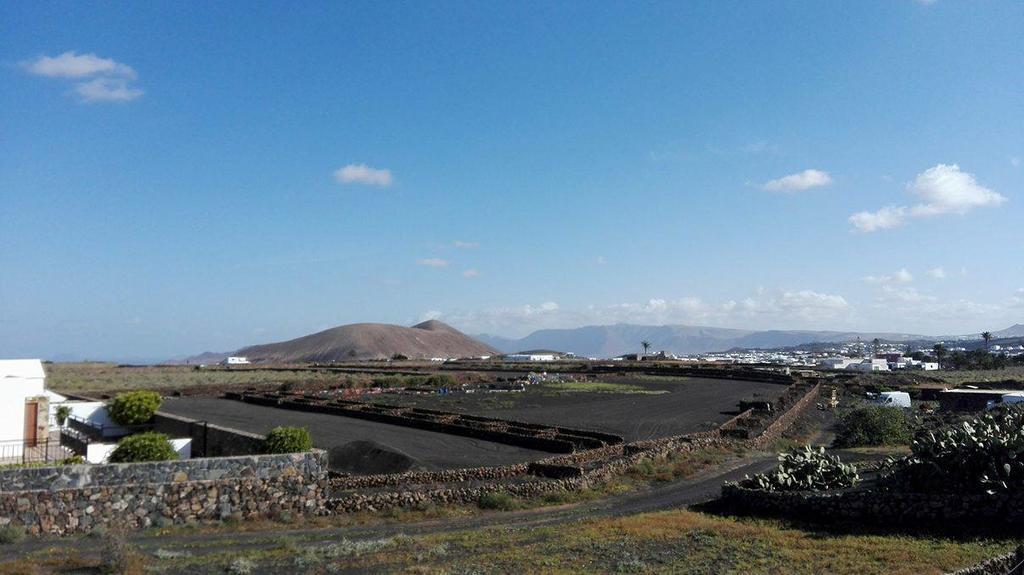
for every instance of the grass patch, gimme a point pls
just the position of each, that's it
(498, 501)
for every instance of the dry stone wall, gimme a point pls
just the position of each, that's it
(880, 507)
(78, 498)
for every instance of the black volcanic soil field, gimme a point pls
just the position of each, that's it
(662, 408)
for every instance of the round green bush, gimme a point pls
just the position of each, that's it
(287, 440)
(133, 407)
(149, 446)
(873, 425)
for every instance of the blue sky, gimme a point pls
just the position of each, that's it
(177, 178)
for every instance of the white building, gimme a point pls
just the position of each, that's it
(530, 357)
(24, 405)
(870, 365)
(236, 361)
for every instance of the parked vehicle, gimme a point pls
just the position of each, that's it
(893, 399)
(1006, 399)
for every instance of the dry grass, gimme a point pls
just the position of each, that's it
(109, 378)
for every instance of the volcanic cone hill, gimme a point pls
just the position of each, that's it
(360, 341)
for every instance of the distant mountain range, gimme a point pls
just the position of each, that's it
(620, 339)
(361, 341)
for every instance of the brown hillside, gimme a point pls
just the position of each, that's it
(370, 341)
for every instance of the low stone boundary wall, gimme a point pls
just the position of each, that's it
(879, 507)
(421, 477)
(787, 418)
(311, 464)
(65, 511)
(77, 498)
(1011, 563)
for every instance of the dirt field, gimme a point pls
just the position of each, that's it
(668, 408)
(430, 449)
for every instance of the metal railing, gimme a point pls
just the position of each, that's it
(98, 432)
(46, 450)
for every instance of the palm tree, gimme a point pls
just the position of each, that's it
(987, 336)
(646, 345)
(940, 352)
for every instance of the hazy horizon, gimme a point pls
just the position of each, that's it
(182, 179)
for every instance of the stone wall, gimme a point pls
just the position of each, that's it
(433, 477)
(786, 419)
(65, 511)
(77, 498)
(311, 464)
(1011, 563)
(879, 507)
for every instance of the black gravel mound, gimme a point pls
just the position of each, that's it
(369, 458)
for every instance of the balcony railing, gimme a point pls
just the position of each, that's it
(46, 450)
(98, 433)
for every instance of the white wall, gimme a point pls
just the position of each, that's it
(13, 391)
(100, 452)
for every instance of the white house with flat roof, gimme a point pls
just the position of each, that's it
(24, 405)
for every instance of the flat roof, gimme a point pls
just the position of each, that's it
(982, 391)
(22, 369)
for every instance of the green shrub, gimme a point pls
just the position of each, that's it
(11, 534)
(62, 413)
(805, 469)
(983, 455)
(499, 501)
(133, 407)
(287, 440)
(873, 425)
(148, 446)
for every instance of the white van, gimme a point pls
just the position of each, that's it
(893, 399)
(1007, 399)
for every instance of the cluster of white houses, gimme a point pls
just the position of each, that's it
(884, 362)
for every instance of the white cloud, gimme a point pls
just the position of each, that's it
(107, 90)
(465, 245)
(944, 189)
(470, 273)
(1017, 299)
(430, 314)
(102, 79)
(363, 174)
(72, 65)
(432, 262)
(799, 182)
(771, 309)
(901, 277)
(759, 147)
(883, 219)
(599, 260)
(937, 273)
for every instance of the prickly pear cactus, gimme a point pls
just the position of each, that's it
(805, 469)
